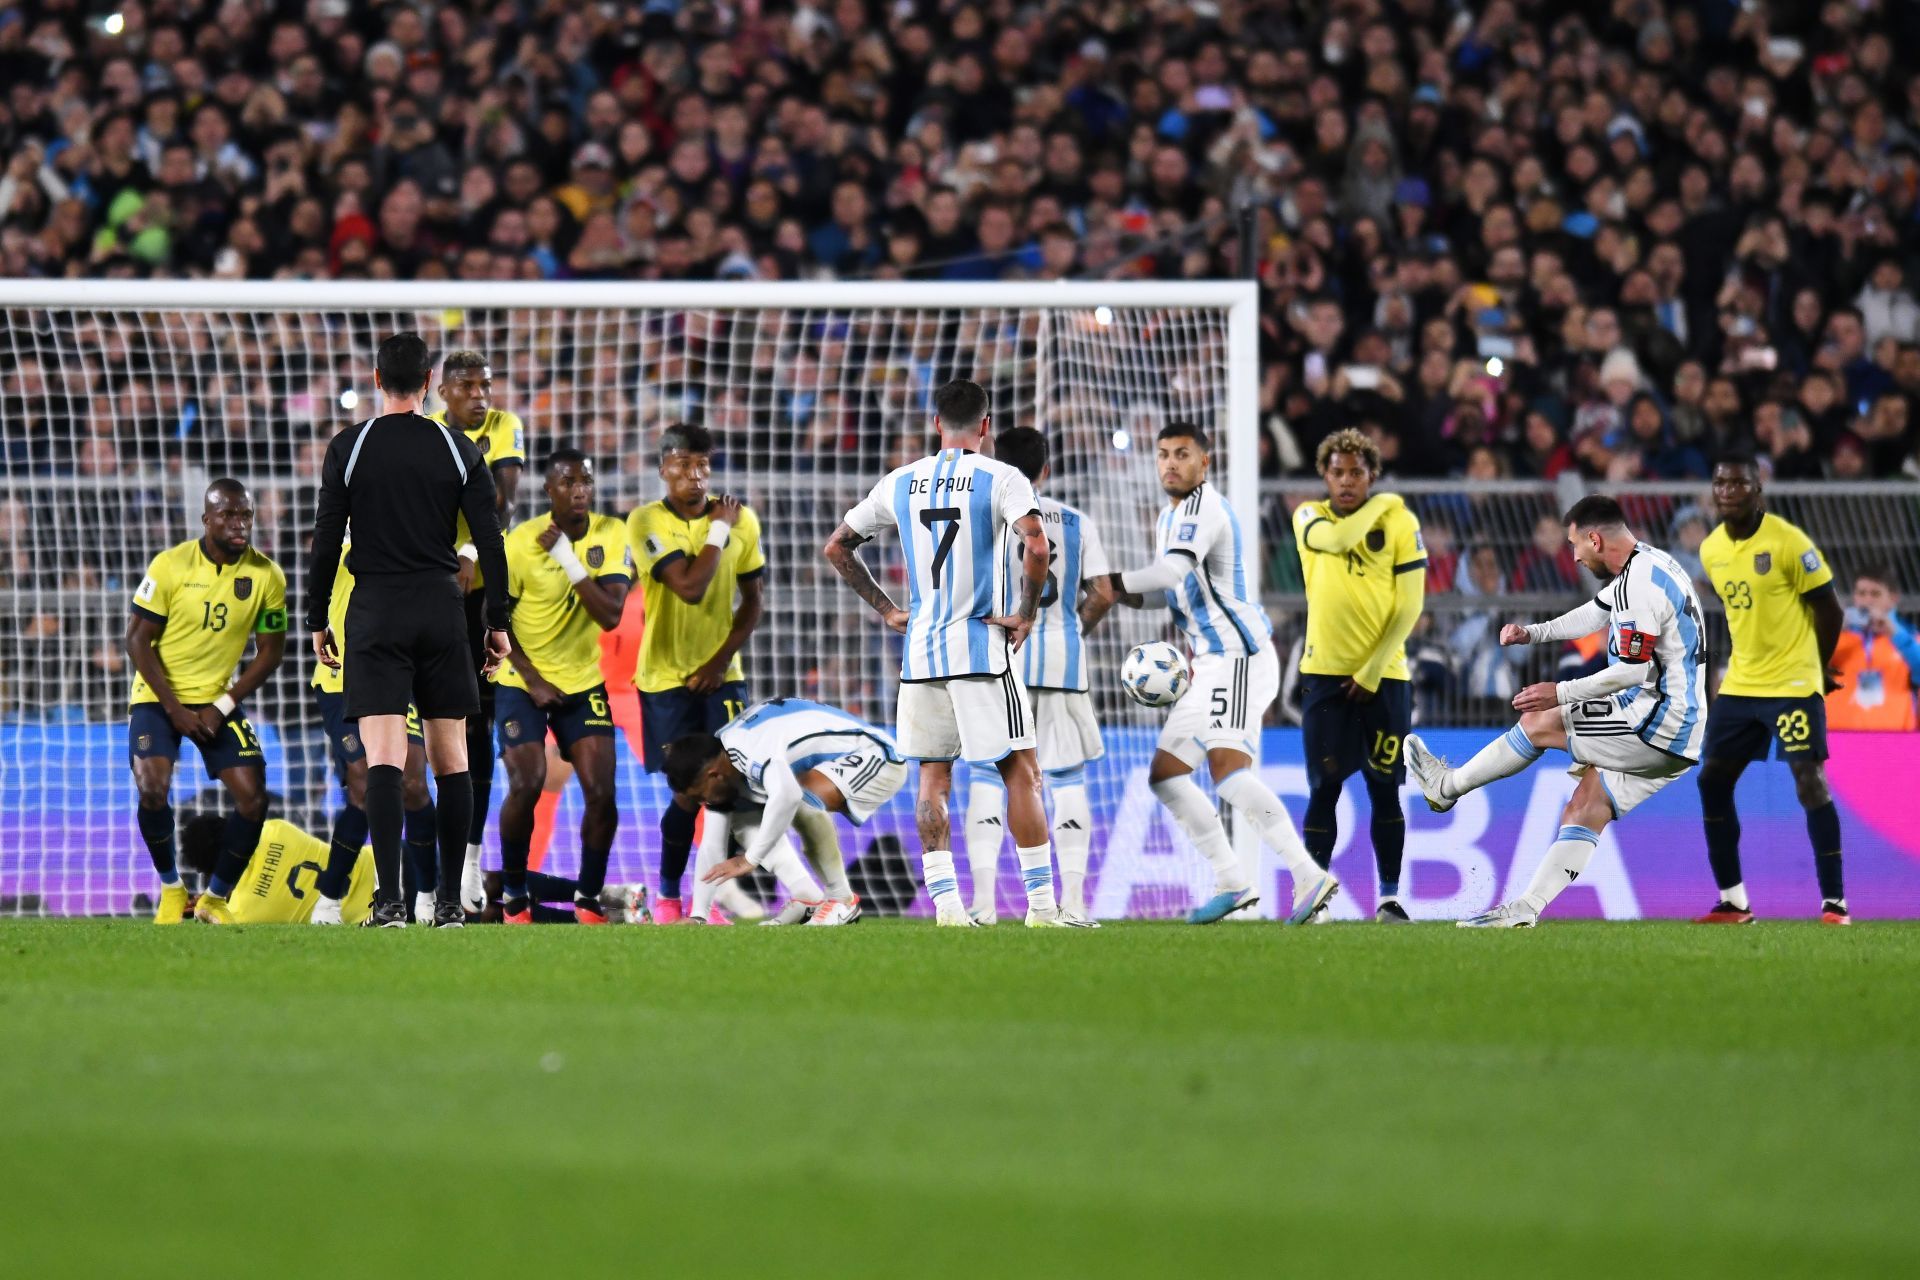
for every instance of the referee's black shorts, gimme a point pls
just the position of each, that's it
(407, 644)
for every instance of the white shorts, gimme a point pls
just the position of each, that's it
(1064, 724)
(1600, 735)
(981, 719)
(866, 779)
(1224, 707)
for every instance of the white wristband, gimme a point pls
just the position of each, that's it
(468, 551)
(224, 704)
(563, 555)
(718, 534)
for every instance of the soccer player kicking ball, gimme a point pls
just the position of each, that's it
(1200, 574)
(1053, 666)
(1366, 573)
(193, 614)
(1785, 620)
(567, 574)
(1631, 728)
(959, 695)
(775, 759)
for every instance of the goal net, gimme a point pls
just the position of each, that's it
(119, 402)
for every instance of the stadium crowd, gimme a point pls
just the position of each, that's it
(1512, 238)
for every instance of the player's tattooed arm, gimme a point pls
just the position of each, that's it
(843, 553)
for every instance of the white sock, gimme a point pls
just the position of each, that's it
(1036, 872)
(1561, 867)
(820, 841)
(1072, 837)
(1505, 756)
(790, 869)
(936, 868)
(714, 838)
(986, 833)
(1736, 896)
(1254, 800)
(474, 854)
(1195, 814)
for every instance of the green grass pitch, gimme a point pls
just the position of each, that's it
(889, 1099)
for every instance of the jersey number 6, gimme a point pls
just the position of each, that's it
(932, 516)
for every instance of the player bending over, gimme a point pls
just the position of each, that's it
(763, 768)
(567, 574)
(1366, 574)
(959, 696)
(350, 764)
(1631, 728)
(1785, 620)
(1200, 573)
(193, 614)
(1053, 667)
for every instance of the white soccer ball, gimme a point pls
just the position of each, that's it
(1155, 674)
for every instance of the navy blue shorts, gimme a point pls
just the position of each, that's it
(343, 736)
(150, 733)
(1354, 736)
(521, 720)
(675, 713)
(1747, 729)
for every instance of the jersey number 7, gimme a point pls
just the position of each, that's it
(932, 516)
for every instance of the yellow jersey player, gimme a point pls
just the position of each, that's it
(1785, 619)
(1366, 574)
(193, 616)
(568, 571)
(350, 765)
(281, 883)
(466, 385)
(697, 551)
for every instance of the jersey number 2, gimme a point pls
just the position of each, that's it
(932, 516)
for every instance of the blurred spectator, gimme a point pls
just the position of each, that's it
(1875, 659)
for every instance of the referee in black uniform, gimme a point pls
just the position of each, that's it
(401, 478)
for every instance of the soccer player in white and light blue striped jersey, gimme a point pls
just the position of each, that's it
(1201, 575)
(1631, 727)
(959, 694)
(1053, 666)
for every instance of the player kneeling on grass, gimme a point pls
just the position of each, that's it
(567, 575)
(1631, 728)
(775, 758)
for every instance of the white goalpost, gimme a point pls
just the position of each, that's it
(121, 400)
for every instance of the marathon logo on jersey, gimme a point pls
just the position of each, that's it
(596, 556)
(1377, 540)
(1762, 561)
(1810, 561)
(242, 588)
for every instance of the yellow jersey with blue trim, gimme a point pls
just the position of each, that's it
(207, 613)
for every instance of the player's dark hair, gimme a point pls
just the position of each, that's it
(1881, 572)
(1022, 448)
(960, 404)
(1595, 511)
(200, 838)
(686, 437)
(1187, 431)
(1742, 458)
(560, 457)
(460, 361)
(688, 758)
(404, 364)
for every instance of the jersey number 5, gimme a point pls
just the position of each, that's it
(935, 515)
